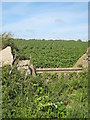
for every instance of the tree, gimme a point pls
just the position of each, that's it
(6, 39)
(79, 40)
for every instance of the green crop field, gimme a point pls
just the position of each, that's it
(46, 95)
(51, 53)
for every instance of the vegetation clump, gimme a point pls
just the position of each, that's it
(64, 97)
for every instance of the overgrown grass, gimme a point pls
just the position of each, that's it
(45, 96)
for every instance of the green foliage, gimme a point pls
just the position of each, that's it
(51, 53)
(64, 97)
(80, 65)
(47, 95)
(79, 40)
(6, 40)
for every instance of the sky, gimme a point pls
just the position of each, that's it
(45, 0)
(46, 20)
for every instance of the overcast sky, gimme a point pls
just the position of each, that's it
(48, 20)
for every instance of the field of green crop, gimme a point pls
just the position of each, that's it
(46, 95)
(51, 53)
